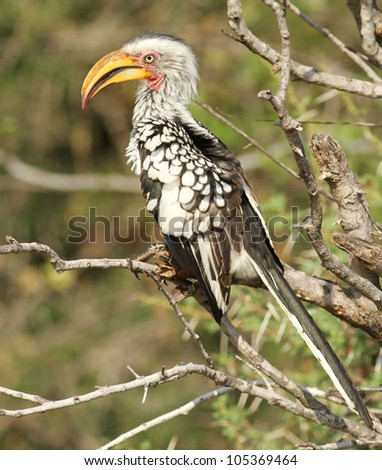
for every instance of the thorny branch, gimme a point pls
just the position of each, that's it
(368, 18)
(344, 303)
(291, 127)
(354, 213)
(303, 72)
(307, 405)
(257, 389)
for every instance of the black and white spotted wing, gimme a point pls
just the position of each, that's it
(195, 202)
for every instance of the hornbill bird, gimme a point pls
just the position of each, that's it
(197, 191)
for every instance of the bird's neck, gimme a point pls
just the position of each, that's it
(159, 104)
(154, 105)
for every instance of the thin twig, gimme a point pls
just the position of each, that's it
(357, 310)
(256, 144)
(181, 410)
(248, 138)
(337, 42)
(312, 225)
(303, 72)
(185, 323)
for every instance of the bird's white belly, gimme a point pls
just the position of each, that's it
(243, 267)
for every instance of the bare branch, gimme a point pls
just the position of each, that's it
(303, 72)
(369, 21)
(337, 42)
(344, 303)
(61, 265)
(348, 305)
(181, 410)
(366, 252)
(163, 376)
(354, 212)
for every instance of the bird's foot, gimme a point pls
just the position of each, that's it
(160, 252)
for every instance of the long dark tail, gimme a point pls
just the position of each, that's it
(313, 337)
(268, 267)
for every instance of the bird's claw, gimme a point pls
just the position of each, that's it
(160, 251)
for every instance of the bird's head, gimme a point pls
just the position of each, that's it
(166, 65)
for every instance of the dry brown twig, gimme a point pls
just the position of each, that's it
(348, 305)
(307, 407)
(291, 127)
(303, 72)
(368, 18)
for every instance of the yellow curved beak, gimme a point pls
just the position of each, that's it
(115, 67)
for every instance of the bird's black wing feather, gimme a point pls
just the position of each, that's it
(207, 258)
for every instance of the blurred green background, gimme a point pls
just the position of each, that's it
(60, 335)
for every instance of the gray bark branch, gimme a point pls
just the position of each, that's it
(368, 253)
(303, 72)
(291, 127)
(267, 393)
(354, 212)
(347, 304)
(368, 18)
